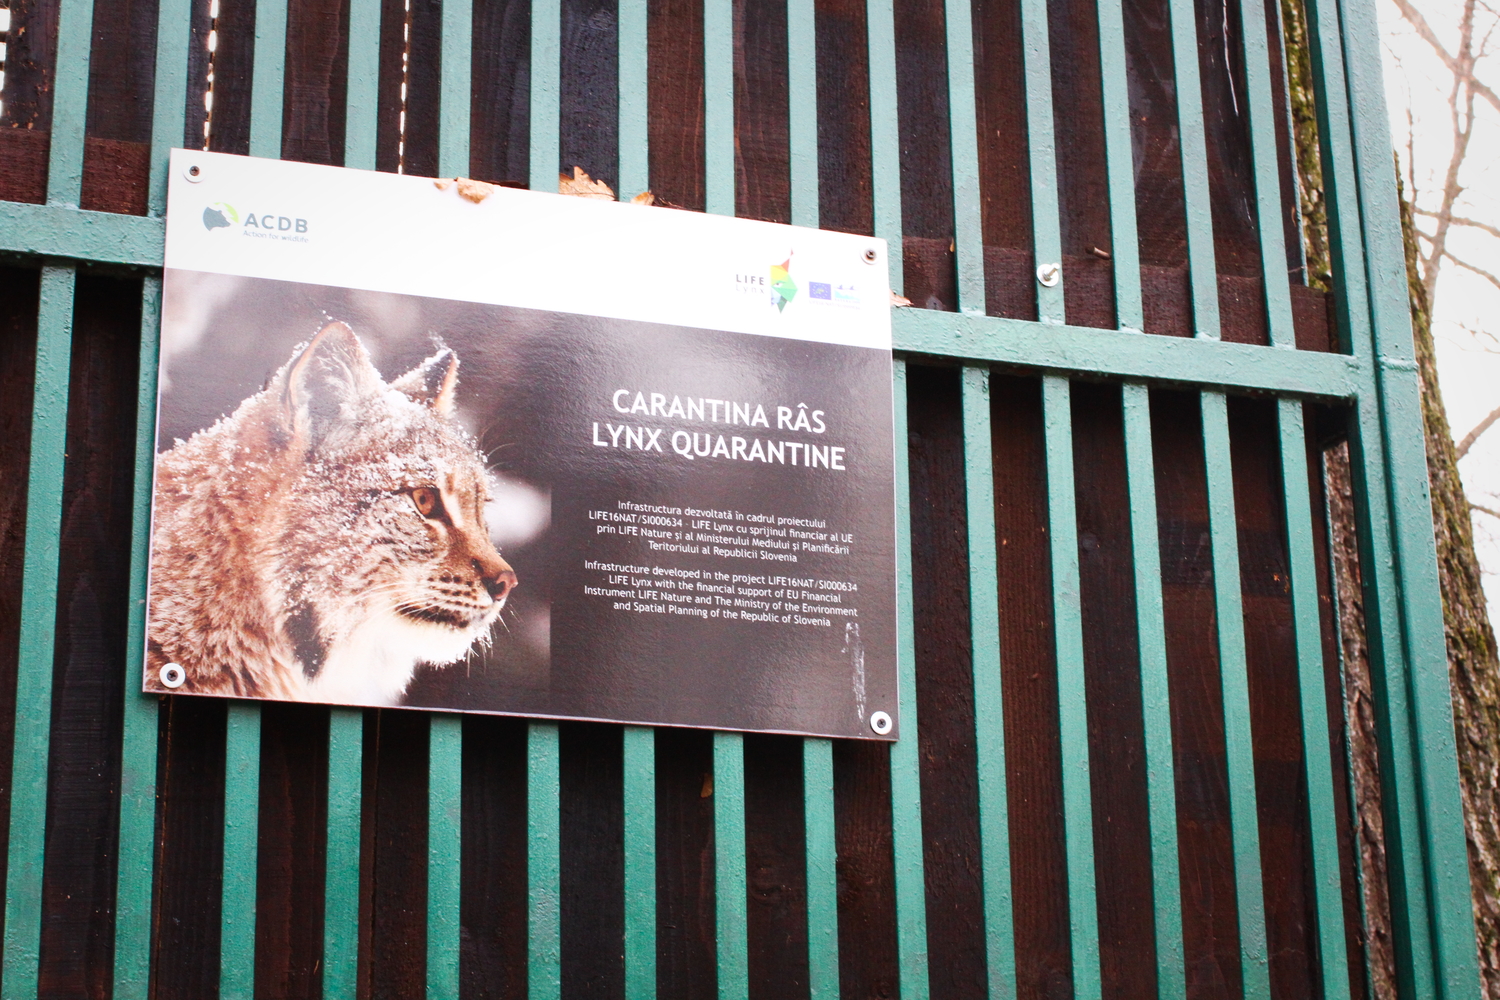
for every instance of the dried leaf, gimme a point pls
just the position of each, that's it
(644, 198)
(581, 185)
(899, 301)
(472, 190)
(708, 787)
(442, 183)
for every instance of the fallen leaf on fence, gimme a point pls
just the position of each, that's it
(581, 185)
(472, 190)
(644, 198)
(442, 183)
(899, 301)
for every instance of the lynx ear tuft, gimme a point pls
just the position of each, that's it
(332, 372)
(432, 383)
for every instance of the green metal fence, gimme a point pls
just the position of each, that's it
(1374, 376)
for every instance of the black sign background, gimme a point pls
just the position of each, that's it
(532, 387)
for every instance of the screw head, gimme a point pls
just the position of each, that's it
(172, 675)
(870, 255)
(193, 173)
(881, 723)
(1049, 274)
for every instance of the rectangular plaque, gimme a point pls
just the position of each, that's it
(445, 446)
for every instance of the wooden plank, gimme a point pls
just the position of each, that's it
(684, 871)
(317, 81)
(845, 186)
(778, 954)
(592, 785)
(1000, 61)
(589, 92)
(241, 852)
(675, 100)
(922, 140)
(499, 130)
(762, 120)
(495, 907)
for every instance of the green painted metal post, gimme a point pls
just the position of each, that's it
(39, 571)
(1203, 275)
(731, 903)
(1072, 691)
(1234, 681)
(635, 161)
(906, 761)
(639, 752)
(1041, 147)
(445, 802)
(546, 93)
(544, 861)
(1119, 168)
(1156, 691)
(968, 222)
(269, 71)
(346, 738)
(822, 870)
(989, 711)
(241, 852)
(885, 137)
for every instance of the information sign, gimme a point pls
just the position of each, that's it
(434, 445)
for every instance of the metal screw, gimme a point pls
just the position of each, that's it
(870, 255)
(193, 173)
(1049, 274)
(881, 723)
(172, 675)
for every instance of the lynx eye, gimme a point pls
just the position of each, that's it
(428, 501)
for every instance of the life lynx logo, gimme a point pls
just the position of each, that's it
(266, 225)
(780, 286)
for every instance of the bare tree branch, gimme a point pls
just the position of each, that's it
(1417, 21)
(1487, 276)
(1459, 220)
(1473, 435)
(1484, 510)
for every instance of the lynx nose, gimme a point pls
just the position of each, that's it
(498, 578)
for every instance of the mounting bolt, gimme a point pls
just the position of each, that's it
(172, 675)
(193, 173)
(870, 255)
(881, 723)
(1049, 274)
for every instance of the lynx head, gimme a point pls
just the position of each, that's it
(384, 553)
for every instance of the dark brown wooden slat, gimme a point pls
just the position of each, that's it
(423, 78)
(1117, 751)
(78, 887)
(317, 66)
(931, 281)
(945, 685)
(590, 89)
(293, 844)
(776, 867)
(866, 869)
(845, 190)
(233, 62)
(27, 113)
(674, 53)
(189, 849)
(1004, 166)
(1028, 666)
(18, 319)
(492, 959)
(762, 180)
(593, 862)
(393, 863)
(500, 123)
(122, 73)
(1206, 858)
(1276, 721)
(685, 942)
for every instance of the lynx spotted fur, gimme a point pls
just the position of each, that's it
(326, 538)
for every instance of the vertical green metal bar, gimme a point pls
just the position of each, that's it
(346, 736)
(546, 94)
(454, 90)
(968, 222)
(731, 901)
(1446, 859)
(1072, 692)
(906, 762)
(635, 162)
(445, 802)
(1234, 681)
(1262, 113)
(132, 963)
(718, 106)
(241, 852)
(269, 78)
(885, 140)
(362, 97)
(989, 715)
(1156, 697)
(1420, 948)
(802, 108)
(1041, 145)
(640, 862)
(70, 101)
(1317, 758)
(822, 873)
(1202, 270)
(44, 501)
(544, 861)
(1119, 167)
(132, 967)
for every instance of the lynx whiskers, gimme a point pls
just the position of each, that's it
(326, 538)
